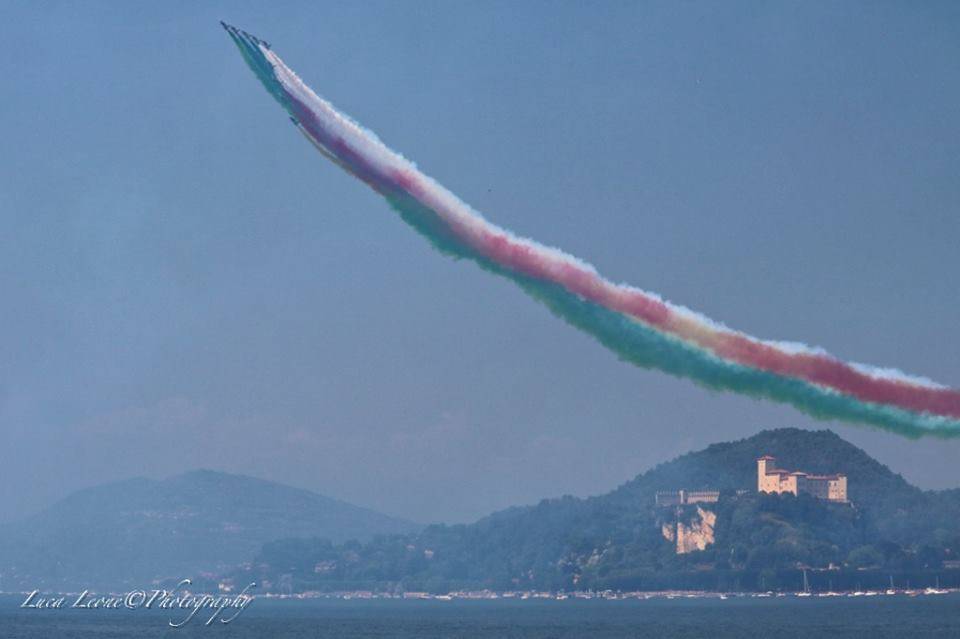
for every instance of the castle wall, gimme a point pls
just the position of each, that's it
(837, 489)
(702, 497)
(681, 497)
(788, 484)
(816, 487)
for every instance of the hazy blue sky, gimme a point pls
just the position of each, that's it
(187, 283)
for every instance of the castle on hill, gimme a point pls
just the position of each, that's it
(771, 479)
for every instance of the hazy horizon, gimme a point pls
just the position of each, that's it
(189, 285)
(321, 493)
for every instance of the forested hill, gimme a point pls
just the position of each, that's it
(617, 539)
(134, 531)
(732, 466)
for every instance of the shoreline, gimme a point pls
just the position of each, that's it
(603, 595)
(535, 595)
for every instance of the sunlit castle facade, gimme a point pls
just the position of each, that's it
(771, 479)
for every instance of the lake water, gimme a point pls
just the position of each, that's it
(880, 617)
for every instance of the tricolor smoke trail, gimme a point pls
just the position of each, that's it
(639, 326)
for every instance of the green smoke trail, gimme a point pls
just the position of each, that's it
(646, 347)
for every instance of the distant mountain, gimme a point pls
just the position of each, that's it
(139, 530)
(622, 539)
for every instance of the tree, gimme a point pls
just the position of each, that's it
(865, 557)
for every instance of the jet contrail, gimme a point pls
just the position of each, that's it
(639, 326)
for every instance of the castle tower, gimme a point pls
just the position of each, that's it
(764, 464)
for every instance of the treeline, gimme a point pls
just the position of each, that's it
(763, 542)
(614, 541)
